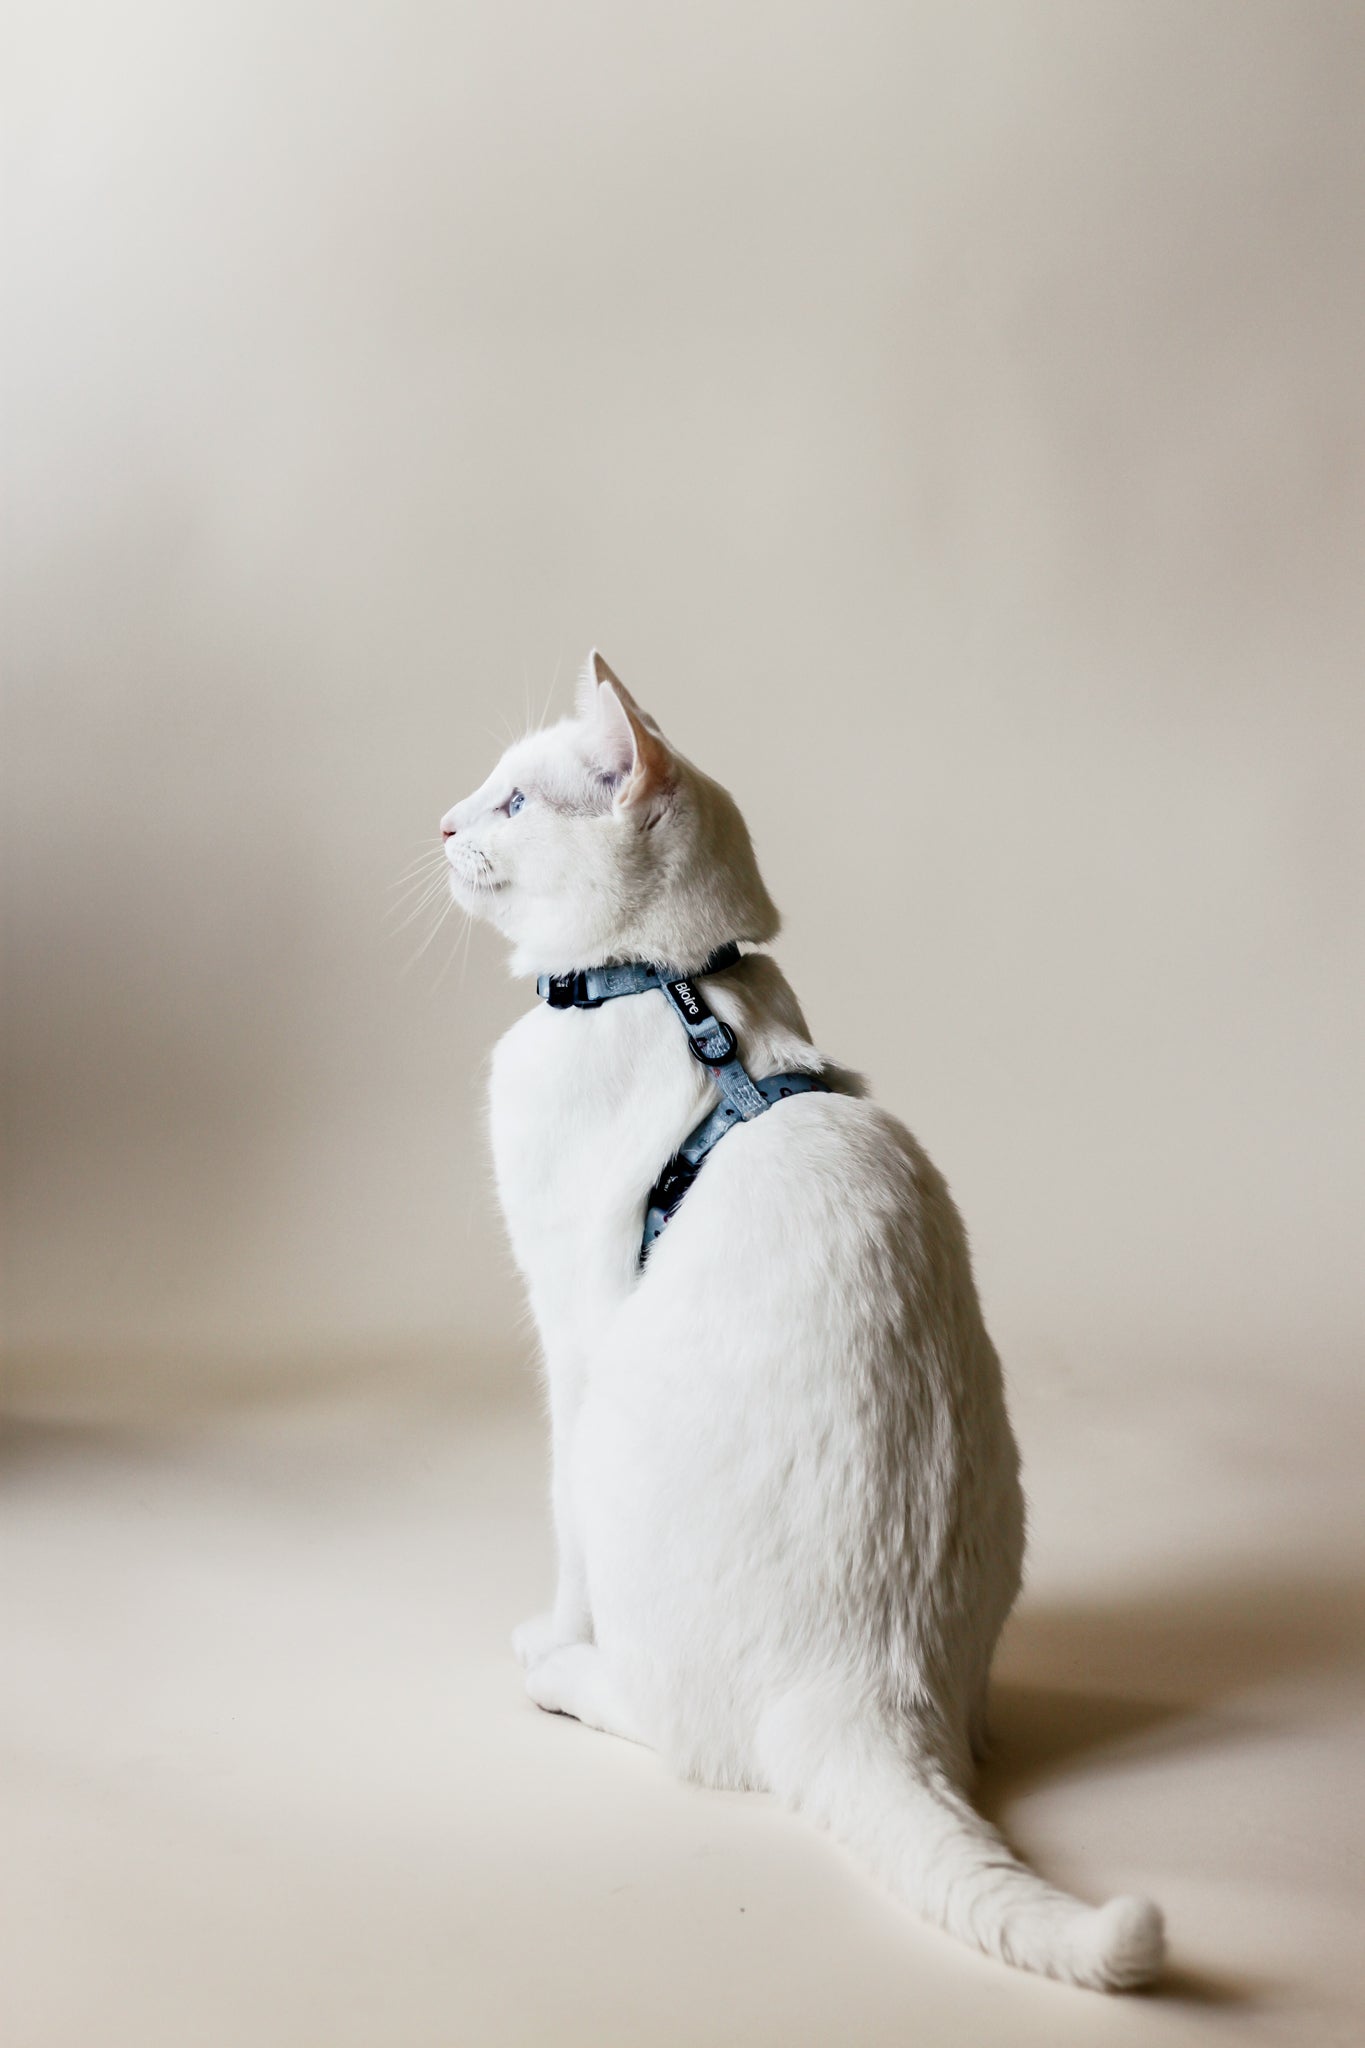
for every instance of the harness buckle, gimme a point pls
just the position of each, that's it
(570, 992)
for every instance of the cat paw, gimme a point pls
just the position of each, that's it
(537, 1637)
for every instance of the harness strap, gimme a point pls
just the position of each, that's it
(665, 1197)
(710, 1042)
(593, 985)
(715, 1046)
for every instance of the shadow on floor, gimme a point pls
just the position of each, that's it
(1147, 1673)
(1093, 1675)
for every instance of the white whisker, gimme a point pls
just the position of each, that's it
(429, 859)
(420, 874)
(434, 891)
(459, 950)
(417, 887)
(449, 906)
(554, 683)
(430, 866)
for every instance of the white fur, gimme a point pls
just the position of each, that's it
(786, 1492)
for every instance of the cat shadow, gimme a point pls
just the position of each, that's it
(1150, 1673)
(1076, 1676)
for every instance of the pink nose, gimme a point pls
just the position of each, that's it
(448, 831)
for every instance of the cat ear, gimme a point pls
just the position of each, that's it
(589, 676)
(628, 747)
(595, 671)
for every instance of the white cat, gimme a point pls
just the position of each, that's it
(786, 1492)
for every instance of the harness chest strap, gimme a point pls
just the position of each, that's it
(713, 1043)
(710, 1042)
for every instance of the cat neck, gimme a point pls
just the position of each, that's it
(752, 997)
(676, 958)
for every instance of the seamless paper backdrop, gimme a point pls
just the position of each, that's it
(948, 419)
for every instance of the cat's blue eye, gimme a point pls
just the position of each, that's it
(514, 803)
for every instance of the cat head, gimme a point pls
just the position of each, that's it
(594, 841)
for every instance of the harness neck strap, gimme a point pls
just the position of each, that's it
(593, 985)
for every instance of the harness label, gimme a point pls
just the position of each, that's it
(695, 1010)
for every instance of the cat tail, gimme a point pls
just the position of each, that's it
(880, 1791)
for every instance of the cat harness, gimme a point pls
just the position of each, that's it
(710, 1042)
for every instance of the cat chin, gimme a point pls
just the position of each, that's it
(475, 897)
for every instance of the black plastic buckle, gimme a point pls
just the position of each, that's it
(570, 992)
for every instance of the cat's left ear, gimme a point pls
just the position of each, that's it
(595, 671)
(630, 747)
(589, 676)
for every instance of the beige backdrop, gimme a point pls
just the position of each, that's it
(950, 419)
(947, 418)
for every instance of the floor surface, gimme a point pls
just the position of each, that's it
(270, 1780)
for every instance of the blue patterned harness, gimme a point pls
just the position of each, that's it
(709, 1041)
